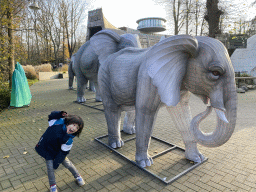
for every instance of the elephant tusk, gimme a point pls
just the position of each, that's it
(221, 115)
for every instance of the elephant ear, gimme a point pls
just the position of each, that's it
(105, 43)
(166, 64)
(129, 40)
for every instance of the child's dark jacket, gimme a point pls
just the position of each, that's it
(55, 143)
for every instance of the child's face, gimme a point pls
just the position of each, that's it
(72, 128)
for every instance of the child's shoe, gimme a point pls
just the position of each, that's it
(53, 188)
(80, 181)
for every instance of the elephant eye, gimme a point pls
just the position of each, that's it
(216, 73)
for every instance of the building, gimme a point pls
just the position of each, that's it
(147, 28)
(244, 59)
(151, 25)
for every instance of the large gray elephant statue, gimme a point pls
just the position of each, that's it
(85, 63)
(164, 75)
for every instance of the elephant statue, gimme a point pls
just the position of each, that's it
(165, 75)
(72, 74)
(85, 63)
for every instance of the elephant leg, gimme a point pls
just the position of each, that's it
(92, 86)
(181, 116)
(129, 121)
(71, 75)
(70, 82)
(98, 96)
(144, 129)
(113, 117)
(81, 86)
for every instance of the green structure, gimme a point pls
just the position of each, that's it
(20, 95)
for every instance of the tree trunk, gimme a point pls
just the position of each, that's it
(10, 47)
(213, 17)
(63, 45)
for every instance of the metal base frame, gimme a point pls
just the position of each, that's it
(91, 106)
(172, 147)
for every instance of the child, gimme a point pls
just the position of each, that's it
(56, 142)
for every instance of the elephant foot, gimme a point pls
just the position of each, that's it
(98, 99)
(129, 129)
(115, 143)
(143, 160)
(81, 100)
(192, 153)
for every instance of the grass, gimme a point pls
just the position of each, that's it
(32, 81)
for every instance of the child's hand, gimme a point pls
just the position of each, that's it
(64, 114)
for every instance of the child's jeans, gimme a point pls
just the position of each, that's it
(67, 163)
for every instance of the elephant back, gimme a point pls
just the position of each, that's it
(129, 40)
(105, 43)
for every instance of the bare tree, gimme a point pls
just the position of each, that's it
(72, 13)
(186, 16)
(50, 20)
(199, 9)
(188, 7)
(177, 16)
(175, 13)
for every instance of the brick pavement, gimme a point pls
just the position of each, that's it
(231, 167)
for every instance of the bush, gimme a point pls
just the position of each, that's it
(30, 72)
(64, 67)
(5, 95)
(43, 68)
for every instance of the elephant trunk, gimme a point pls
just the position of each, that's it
(225, 108)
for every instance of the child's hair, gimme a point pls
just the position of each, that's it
(70, 119)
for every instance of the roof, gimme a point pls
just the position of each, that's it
(150, 18)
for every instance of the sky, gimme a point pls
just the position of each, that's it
(123, 13)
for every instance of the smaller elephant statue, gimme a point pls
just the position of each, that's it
(85, 63)
(165, 75)
(71, 74)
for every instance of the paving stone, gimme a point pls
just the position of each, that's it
(216, 186)
(28, 185)
(230, 167)
(16, 184)
(6, 184)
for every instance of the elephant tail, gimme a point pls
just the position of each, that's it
(105, 43)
